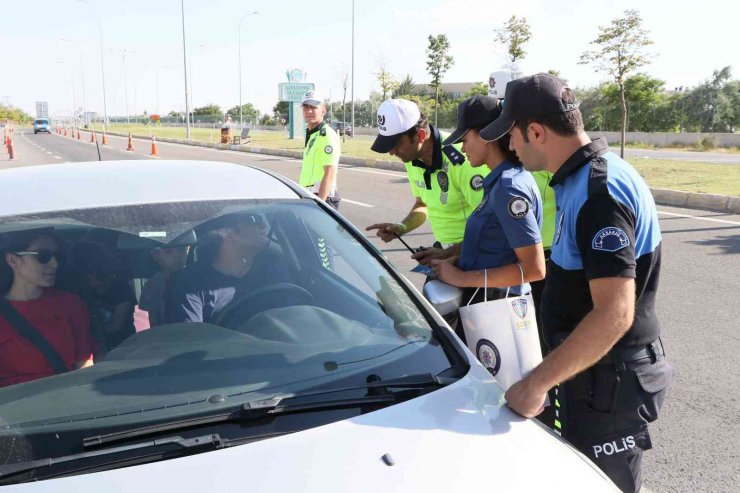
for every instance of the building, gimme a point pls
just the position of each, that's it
(453, 90)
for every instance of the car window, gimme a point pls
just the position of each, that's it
(262, 298)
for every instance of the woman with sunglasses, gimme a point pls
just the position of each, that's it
(502, 243)
(29, 270)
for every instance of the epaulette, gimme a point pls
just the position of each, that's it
(322, 132)
(456, 157)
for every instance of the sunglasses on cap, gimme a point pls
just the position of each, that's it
(42, 256)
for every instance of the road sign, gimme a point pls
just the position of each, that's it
(291, 91)
(42, 109)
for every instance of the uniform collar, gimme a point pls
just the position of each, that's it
(437, 163)
(309, 133)
(579, 158)
(496, 173)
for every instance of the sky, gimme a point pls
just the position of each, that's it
(46, 46)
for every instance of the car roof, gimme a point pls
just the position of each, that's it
(64, 186)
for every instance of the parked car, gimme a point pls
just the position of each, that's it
(41, 125)
(342, 128)
(338, 377)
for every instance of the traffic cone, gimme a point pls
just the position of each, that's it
(92, 137)
(105, 138)
(154, 146)
(11, 152)
(130, 143)
(65, 131)
(78, 134)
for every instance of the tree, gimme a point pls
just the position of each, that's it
(514, 35)
(620, 52)
(249, 112)
(14, 114)
(405, 87)
(714, 106)
(281, 110)
(438, 63)
(343, 78)
(480, 89)
(209, 109)
(385, 79)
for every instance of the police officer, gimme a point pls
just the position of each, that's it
(502, 241)
(447, 189)
(598, 307)
(321, 151)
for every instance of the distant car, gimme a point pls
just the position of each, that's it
(342, 128)
(336, 375)
(41, 125)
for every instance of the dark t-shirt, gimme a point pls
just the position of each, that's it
(200, 293)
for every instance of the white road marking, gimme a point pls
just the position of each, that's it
(361, 204)
(723, 221)
(58, 157)
(49, 152)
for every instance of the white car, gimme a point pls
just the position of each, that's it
(324, 371)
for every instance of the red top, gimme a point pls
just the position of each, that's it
(62, 319)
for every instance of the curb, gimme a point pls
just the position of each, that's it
(675, 198)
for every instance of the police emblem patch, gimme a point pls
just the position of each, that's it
(328, 149)
(443, 180)
(476, 183)
(610, 239)
(489, 356)
(518, 207)
(520, 307)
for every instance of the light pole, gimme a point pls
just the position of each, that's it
(102, 66)
(185, 69)
(353, 70)
(191, 72)
(125, 85)
(241, 117)
(74, 97)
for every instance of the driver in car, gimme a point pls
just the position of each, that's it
(233, 261)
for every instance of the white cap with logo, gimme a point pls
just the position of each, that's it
(312, 98)
(395, 116)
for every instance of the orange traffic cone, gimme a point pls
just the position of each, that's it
(154, 146)
(105, 138)
(92, 137)
(78, 134)
(130, 143)
(65, 131)
(11, 151)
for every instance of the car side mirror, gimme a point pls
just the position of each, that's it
(445, 298)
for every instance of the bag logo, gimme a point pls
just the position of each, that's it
(518, 207)
(610, 239)
(520, 307)
(476, 183)
(489, 356)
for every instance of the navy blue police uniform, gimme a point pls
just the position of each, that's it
(607, 226)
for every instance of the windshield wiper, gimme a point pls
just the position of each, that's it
(290, 403)
(213, 441)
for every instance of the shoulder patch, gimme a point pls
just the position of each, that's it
(610, 239)
(328, 149)
(518, 207)
(476, 183)
(456, 157)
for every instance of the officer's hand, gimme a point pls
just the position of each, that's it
(526, 400)
(447, 272)
(426, 256)
(386, 231)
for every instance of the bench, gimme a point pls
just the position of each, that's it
(243, 138)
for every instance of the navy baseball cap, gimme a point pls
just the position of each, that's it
(527, 97)
(475, 112)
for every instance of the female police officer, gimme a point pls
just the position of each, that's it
(505, 228)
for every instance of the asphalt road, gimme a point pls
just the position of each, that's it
(697, 439)
(705, 157)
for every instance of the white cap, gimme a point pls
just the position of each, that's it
(395, 116)
(312, 98)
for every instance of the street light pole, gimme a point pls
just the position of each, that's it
(125, 86)
(185, 68)
(353, 70)
(82, 73)
(241, 117)
(102, 66)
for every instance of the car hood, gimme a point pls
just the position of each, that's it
(459, 438)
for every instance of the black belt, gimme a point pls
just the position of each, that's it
(654, 351)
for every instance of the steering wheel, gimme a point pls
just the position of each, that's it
(279, 295)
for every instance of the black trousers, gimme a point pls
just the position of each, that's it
(606, 410)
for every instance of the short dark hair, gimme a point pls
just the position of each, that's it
(565, 124)
(422, 123)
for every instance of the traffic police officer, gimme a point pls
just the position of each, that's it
(447, 189)
(598, 308)
(321, 151)
(502, 244)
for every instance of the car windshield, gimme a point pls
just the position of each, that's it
(41, 122)
(179, 309)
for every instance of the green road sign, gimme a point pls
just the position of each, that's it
(292, 91)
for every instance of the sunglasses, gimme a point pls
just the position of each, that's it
(42, 256)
